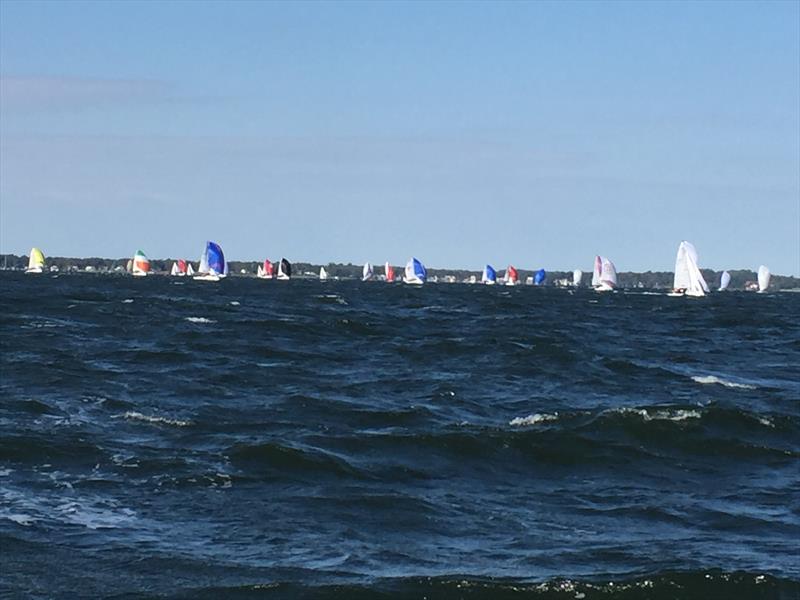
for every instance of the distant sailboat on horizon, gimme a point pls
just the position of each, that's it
(724, 281)
(604, 276)
(540, 277)
(388, 272)
(323, 274)
(284, 270)
(489, 275)
(577, 275)
(179, 268)
(366, 272)
(415, 273)
(212, 264)
(265, 271)
(688, 280)
(512, 277)
(35, 262)
(141, 264)
(763, 279)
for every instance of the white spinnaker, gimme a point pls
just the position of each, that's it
(577, 275)
(763, 278)
(724, 281)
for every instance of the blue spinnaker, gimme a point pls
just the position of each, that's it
(216, 259)
(420, 271)
(539, 277)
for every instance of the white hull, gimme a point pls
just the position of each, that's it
(414, 281)
(206, 277)
(512, 282)
(33, 270)
(139, 274)
(264, 276)
(603, 287)
(282, 277)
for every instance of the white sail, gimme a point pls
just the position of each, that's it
(260, 271)
(323, 274)
(202, 268)
(608, 274)
(604, 275)
(577, 275)
(763, 278)
(724, 281)
(174, 271)
(597, 270)
(189, 269)
(366, 272)
(688, 277)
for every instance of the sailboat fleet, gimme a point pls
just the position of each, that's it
(688, 279)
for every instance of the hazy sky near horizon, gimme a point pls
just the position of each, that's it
(537, 134)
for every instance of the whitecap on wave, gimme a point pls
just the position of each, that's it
(661, 414)
(199, 320)
(719, 380)
(533, 419)
(137, 416)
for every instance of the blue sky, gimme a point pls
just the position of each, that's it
(538, 134)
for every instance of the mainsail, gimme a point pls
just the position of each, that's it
(577, 275)
(323, 274)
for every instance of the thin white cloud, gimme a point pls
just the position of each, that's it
(28, 94)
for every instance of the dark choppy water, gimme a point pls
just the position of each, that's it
(250, 438)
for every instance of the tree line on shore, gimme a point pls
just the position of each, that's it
(647, 279)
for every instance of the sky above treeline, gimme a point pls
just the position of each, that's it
(538, 134)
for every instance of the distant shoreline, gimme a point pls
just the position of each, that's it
(629, 279)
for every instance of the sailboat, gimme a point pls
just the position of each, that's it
(389, 270)
(35, 262)
(763, 279)
(539, 277)
(141, 264)
(489, 275)
(284, 270)
(415, 273)
(688, 278)
(512, 277)
(189, 270)
(212, 264)
(604, 276)
(724, 281)
(366, 272)
(179, 268)
(323, 274)
(577, 275)
(265, 271)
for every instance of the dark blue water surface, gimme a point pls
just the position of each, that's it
(166, 437)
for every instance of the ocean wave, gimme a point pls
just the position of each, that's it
(199, 320)
(137, 416)
(697, 584)
(705, 379)
(662, 414)
(533, 419)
